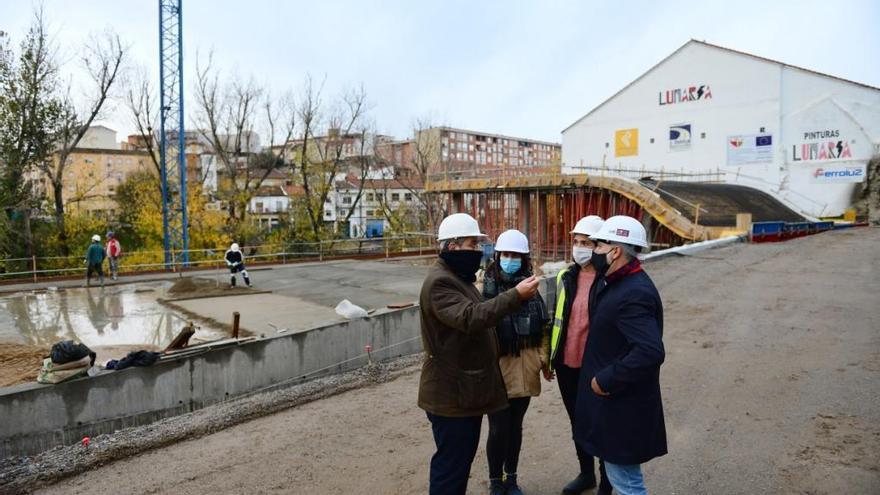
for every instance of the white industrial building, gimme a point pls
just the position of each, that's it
(711, 113)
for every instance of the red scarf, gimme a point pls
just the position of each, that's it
(634, 266)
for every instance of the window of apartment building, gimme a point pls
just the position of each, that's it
(395, 196)
(327, 200)
(328, 213)
(470, 147)
(279, 205)
(346, 200)
(342, 212)
(370, 197)
(259, 206)
(407, 196)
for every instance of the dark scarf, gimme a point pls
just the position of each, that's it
(633, 266)
(464, 263)
(521, 330)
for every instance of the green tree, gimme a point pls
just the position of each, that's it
(30, 113)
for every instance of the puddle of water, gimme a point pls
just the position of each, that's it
(115, 317)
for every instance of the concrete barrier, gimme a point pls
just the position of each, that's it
(38, 417)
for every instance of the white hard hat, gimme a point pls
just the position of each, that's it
(512, 241)
(458, 225)
(96, 238)
(588, 225)
(234, 247)
(622, 229)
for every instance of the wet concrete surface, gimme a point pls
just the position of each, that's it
(110, 320)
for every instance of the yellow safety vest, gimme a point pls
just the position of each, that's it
(557, 317)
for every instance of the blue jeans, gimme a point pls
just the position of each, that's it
(626, 478)
(457, 440)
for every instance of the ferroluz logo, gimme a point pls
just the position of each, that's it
(838, 173)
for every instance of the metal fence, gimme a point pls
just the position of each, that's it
(36, 267)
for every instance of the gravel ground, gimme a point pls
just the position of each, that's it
(770, 386)
(24, 474)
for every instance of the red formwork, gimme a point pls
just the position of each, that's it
(547, 215)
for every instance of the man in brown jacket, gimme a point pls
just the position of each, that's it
(461, 380)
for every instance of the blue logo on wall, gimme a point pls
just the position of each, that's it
(679, 137)
(680, 133)
(763, 140)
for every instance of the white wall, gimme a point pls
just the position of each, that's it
(99, 137)
(745, 98)
(819, 113)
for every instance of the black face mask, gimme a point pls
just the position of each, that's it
(600, 262)
(464, 262)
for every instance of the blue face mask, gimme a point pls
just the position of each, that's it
(511, 265)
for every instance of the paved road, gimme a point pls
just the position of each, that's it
(770, 386)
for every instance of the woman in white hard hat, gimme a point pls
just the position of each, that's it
(523, 337)
(571, 325)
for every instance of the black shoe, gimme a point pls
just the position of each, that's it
(579, 485)
(510, 486)
(496, 487)
(604, 488)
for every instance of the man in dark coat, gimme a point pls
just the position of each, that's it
(461, 380)
(621, 421)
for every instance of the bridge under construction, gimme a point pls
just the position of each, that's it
(546, 207)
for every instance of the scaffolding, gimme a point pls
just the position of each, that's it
(546, 208)
(172, 145)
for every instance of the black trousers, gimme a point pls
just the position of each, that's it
(456, 440)
(568, 387)
(96, 268)
(505, 437)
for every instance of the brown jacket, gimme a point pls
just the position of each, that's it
(460, 375)
(522, 374)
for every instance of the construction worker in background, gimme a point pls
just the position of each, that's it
(619, 416)
(571, 325)
(114, 252)
(460, 379)
(94, 260)
(235, 262)
(524, 337)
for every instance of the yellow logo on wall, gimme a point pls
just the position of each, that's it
(626, 142)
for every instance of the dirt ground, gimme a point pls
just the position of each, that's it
(20, 363)
(770, 385)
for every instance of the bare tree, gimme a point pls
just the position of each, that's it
(323, 144)
(103, 61)
(425, 161)
(227, 118)
(142, 104)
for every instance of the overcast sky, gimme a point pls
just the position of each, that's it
(511, 67)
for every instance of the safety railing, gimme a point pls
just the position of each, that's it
(134, 262)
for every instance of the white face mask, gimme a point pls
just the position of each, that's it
(581, 255)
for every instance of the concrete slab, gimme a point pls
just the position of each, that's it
(260, 310)
(369, 284)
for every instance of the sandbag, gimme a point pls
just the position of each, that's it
(50, 373)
